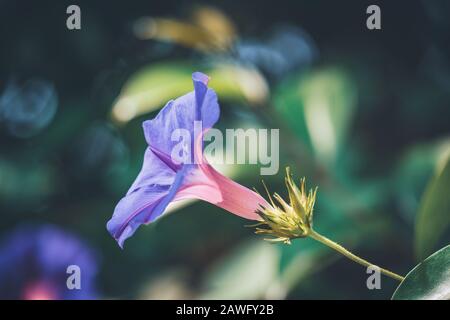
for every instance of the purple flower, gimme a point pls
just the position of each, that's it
(163, 180)
(34, 262)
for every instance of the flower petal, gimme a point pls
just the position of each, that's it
(154, 172)
(236, 198)
(199, 105)
(209, 185)
(146, 199)
(135, 209)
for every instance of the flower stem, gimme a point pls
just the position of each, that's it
(316, 236)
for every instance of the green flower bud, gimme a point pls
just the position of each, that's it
(285, 221)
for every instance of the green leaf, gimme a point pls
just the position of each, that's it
(319, 106)
(151, 87)
(429, 280)
(434, 212)
(412, 173)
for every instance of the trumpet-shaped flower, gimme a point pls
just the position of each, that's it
(163, 179)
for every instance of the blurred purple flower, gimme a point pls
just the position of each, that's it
(34, 261)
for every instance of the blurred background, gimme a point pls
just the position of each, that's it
(363, 114)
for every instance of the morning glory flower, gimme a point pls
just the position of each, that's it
(164, 179)
(34, 263)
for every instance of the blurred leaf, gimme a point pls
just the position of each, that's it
(170, 284)
(412, 174)
(287, 101)
(429, 280)
(238, 83)
(301, 259)
(220, 27)
(150, 88)
(246, 273)
(153, 86)
(329, 98)
(319, 106)
(434, 213)
(21, 184)
(210, 30)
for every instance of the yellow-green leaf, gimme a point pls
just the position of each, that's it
(153, 86)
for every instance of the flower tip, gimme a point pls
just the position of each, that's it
(121, 241)
(288, 171)
(200, 77)
(119, 237)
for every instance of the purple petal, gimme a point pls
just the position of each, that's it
(142, 206)
(135, 209)
(200, 105)
(160, 178)
(154, 172)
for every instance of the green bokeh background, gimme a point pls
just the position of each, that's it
(386, 93)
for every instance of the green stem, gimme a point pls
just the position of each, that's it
(316, 236)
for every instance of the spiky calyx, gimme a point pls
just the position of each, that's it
(285, 221)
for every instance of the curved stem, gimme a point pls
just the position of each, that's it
(316, 236)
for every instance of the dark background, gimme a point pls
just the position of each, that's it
(71, 171)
